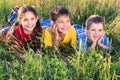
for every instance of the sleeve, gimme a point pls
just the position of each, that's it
(47, 36)
(5, 30)
(82, 41)
(12, 18)
(74, 39)
(106, 41)
(81, 37)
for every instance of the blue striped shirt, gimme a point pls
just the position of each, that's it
(83, 39)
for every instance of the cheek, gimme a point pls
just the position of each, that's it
(68, 25)
(91, 32)
(35, 21)
(88, 33)
(60, 26)
(101, 33)
(23, 23)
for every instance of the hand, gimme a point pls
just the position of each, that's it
(92, 47)
(100, 40)
(101, 44)
(56, 35)
(90, 37)
(94, 42)
(55, 31)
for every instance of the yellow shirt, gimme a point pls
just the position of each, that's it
(70, 37)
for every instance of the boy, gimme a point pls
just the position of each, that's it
(94, 34)
(61, 31)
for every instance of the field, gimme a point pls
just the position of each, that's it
(98, 65)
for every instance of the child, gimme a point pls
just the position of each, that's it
(12, 18)
(25, 31)
(61, 31)
(94, 34)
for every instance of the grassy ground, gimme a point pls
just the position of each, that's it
(102, 65)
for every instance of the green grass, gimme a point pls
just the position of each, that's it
(102, 65)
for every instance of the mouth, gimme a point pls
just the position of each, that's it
(96, 37)
(29, 27)
(65, 30)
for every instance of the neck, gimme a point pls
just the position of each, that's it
(27, 32)
(61, 34)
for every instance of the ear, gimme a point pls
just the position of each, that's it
(52, 22)
(86, 32)
(37, 17)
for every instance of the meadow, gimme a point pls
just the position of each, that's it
(97, 65)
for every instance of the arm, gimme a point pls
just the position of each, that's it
(73, 39)
(105, 44)
(0, 33)
(47, 36)
(94, 42)
(55, 41)
(92, 47)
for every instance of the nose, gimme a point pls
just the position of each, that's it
(66, 24)
(96, 32)
(29, 21)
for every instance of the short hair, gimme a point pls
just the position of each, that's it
(94, 19)
(57, 11)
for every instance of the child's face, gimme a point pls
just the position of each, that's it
(63, 24)
(28, 22)
(95, 31)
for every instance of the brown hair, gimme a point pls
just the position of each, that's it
(36, 32)
(57, 11)
(94, 19)
(21, 12)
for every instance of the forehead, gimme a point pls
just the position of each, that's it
(96, 26)
(29, 14)
(63, 17)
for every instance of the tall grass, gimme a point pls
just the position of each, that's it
(102, 65)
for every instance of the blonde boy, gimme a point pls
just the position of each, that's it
(94, 34)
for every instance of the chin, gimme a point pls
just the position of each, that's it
(96, 39)
(64, 32)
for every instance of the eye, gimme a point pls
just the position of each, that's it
(68, 20)
(100, 30)
(25, 19)
(32, 18)
(93, 30)
(61, 22)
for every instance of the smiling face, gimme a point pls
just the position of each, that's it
(63, 24)
(95, 31)
(28, 22)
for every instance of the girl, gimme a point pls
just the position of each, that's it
(25, 31)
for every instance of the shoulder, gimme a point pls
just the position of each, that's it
(48, 29)
(72, 29)
(40, 28)
(79, 29)
(18, 30)
(5, 30)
